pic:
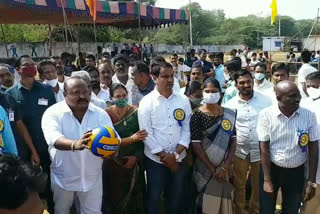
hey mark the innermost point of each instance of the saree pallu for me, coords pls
(215, 197)
(124, 189)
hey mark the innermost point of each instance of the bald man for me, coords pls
(6, 77)
(288, 136)
(76, 172)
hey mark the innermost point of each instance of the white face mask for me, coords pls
(211, 98)
(259, 76)
(314, 93)
(52, 83)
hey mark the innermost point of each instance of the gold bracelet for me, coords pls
(72, 145)
(224, 169)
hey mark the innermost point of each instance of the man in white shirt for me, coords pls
(312, 103)
(176, 71)
(158, 60)
(231, 67)
(60, 69)
(75, 171)
(195, 75)
(261, 84)
(288, 136)
(248, 103)
(106, 73)
(99, 92)
(305, 70)
(165, 115)
(280, 72)
(47, 70)
(254, 59)
(121, 66)
(183, 68)
(93, 99)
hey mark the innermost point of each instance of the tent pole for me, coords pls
(5, 40)
(315, 36)
(270, 49)
(95, 39)
(190, 20)
(50, 40)
(65, 26)
(139, 17)
(78, 38)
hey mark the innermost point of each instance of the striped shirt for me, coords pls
(313, 105)
(246, 124)
(283, 134)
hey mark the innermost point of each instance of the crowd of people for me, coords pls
(198, 135)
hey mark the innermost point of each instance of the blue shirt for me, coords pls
(206, 66)
(220, 76)
(138, 94)
(7, 142)
(33, 104)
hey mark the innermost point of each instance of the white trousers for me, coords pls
(89, 202)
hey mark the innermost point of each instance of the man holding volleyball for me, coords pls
(75, 171)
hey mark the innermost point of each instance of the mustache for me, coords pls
(83, 100)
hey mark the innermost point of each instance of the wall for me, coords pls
(309, 43)
(42, 49)
(267, 41)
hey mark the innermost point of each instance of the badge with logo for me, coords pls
(1, 126)
(226, 126)
(1, 142)
(179, 115)
(303, 141)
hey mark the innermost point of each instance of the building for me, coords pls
(273, 43)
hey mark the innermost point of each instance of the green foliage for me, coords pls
(209, 27)
(25, 33)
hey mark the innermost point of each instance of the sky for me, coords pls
(297, 9)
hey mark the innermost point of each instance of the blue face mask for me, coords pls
(259, 76)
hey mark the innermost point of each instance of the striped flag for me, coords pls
(274, 11)
(92, 4)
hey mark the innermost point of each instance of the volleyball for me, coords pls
(104, 141)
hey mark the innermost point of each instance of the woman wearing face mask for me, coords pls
(213, 142)
(194, 94)
(123, 177)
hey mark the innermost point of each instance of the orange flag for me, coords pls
(92, 4)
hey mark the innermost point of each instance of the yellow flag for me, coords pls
(274, 11)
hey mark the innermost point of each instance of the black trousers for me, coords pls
(291, 181)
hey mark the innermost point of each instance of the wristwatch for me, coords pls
(314, 185)
(177, 155)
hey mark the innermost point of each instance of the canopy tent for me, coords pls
(117, 14)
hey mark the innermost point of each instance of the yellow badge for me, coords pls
(1, 125)
(304, 139)
(179, 115)
(226, 125)
(1, 142)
